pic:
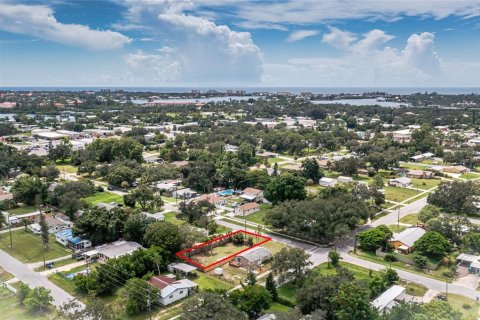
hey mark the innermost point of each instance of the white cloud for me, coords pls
(304, 12)
(39, 21)
(365, 62)
(166, 49)
(155, 67)
(338, 38)
(301, 34)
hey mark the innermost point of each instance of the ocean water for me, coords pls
(295, 90)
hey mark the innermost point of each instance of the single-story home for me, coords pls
(4, 195)
(405, 240)
(179, 164)
(171, 289)
(388, 299)
(421, 157)
(66, 238)
(212, 198)
(456, 169)
(253, 258)
(113, 250)
(402, 182)
(470, 261)
(109, 206)
(252, 194)
(420, 174)
(327, 182)
(247, 208)
(181, 268)
(185, 193)
(323, 163)
(343, 179)
(54, 224)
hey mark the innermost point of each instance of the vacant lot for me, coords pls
(257, 217)
(399, 194)
(425, 184)
(22, 210)
(27, 247)
(105, 197)
(208, 257)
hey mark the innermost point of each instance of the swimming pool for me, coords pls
(227, 192)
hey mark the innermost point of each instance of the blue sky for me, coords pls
(240, 43)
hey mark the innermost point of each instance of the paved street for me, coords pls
(34, 279)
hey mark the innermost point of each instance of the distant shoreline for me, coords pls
(294, 90)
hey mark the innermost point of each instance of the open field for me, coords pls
(103, 197)
(172, 218)
(27, 247)
(206, 258)
(399, 194)
(395, 228)
(67, 168)
(425, 184)
(410, 219)
(257, 217)
(470, 176)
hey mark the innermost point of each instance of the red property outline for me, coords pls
(181, 256)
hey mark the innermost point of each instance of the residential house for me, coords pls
(252, 194)
(109, 206)
(171, 289)
(179, 164)
(470, 261)
(421, 157)
(185, 193)
(54, 224)
(420, 174)
(113, 250)
(247, 208)
(343, 179)
(405, 240)
(253, 258)
(388, 299)
(456, 169)
(402, 182)
(323, 163)
(181, 268)
(66, 238)
(327, 182)
(213, 199)
(4, 195)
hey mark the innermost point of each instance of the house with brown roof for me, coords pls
(212, 198)
(171, 289)
(420, 174)
(247, 208)
(252, 194)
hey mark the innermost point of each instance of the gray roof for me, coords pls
(255, 254)
(183, 267)
(386, 298)
(409, 236)
(402, 180)
(118, 248)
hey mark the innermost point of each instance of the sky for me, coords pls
(239, 43)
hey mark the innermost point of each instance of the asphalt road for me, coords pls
(33, 279)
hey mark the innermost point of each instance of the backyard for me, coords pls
(22, 210)
(216, 254)
(27, 247)
(257, 217)
(425, 184)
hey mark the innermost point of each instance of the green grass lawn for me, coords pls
(470, 176)
(11, 309)
(414, 289)
(410, 219)
(168, 199)
(22, 210)
(395, 228)
(459, 303)
(425, 184)
(103, 197)
(413, 166)
(399, 194)
(172, 218)
(420, 196)
(277, 307)
(205, 258)
(27, 247)
(288, 292)
(67, 168)
(5, 275)
(434, 274)
(257, 217)
(208, 282)
(275, 160)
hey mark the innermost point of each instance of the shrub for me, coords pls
(419, 259)
(466, 306)
(390, 258)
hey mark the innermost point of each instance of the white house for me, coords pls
(343, 179)
(386, 300)
(171, 289)
(327, 182)
(247, 208)
(113, 250)
(66, 238)
(402, 182)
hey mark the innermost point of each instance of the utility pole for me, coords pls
(398, 218)
(446, 290)
(10, 230)
(149, 304)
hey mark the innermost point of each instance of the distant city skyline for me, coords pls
(212, 43)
